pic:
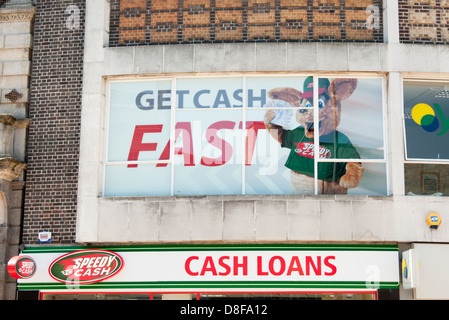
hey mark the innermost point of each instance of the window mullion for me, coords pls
(316, 136)
(172, 135)
(244, 110)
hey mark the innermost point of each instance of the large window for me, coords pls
(246, 134)
(426, 109)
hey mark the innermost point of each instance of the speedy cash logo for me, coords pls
(26, 267)
(430, 118)
(86, 266)
(307, 149)
(21, 267)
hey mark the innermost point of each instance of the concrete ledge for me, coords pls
(273, 218)
(276, 57)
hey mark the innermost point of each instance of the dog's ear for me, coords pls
(342, 89)
(290, 95)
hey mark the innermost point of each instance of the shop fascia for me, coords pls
(207, 266)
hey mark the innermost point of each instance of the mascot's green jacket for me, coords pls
(334, 145)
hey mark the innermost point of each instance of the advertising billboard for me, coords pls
(245, 135)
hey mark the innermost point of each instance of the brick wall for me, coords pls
(55, 105)
(136, 22)
(424, 21)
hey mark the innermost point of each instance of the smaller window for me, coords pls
(426, 179)
(426, 124)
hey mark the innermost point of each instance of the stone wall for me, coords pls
(252, 219)
(16, 42)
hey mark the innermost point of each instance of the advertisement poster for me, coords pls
(245, 135)
(426, 112)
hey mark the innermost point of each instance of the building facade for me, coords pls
(182, 134)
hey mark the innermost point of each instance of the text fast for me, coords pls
(185, 129)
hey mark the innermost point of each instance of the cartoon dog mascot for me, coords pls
(333, 177)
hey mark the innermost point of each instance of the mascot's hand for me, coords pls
(353, 175)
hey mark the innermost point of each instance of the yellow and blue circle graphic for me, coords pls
(404, 268)
(424, 115)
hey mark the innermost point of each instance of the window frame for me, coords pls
(419, 79)
(244, 108)
(409, 78)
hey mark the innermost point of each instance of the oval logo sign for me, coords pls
(21, 267)
(85, 266)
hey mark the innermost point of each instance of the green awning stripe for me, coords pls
(260, 247)
(201, 285)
